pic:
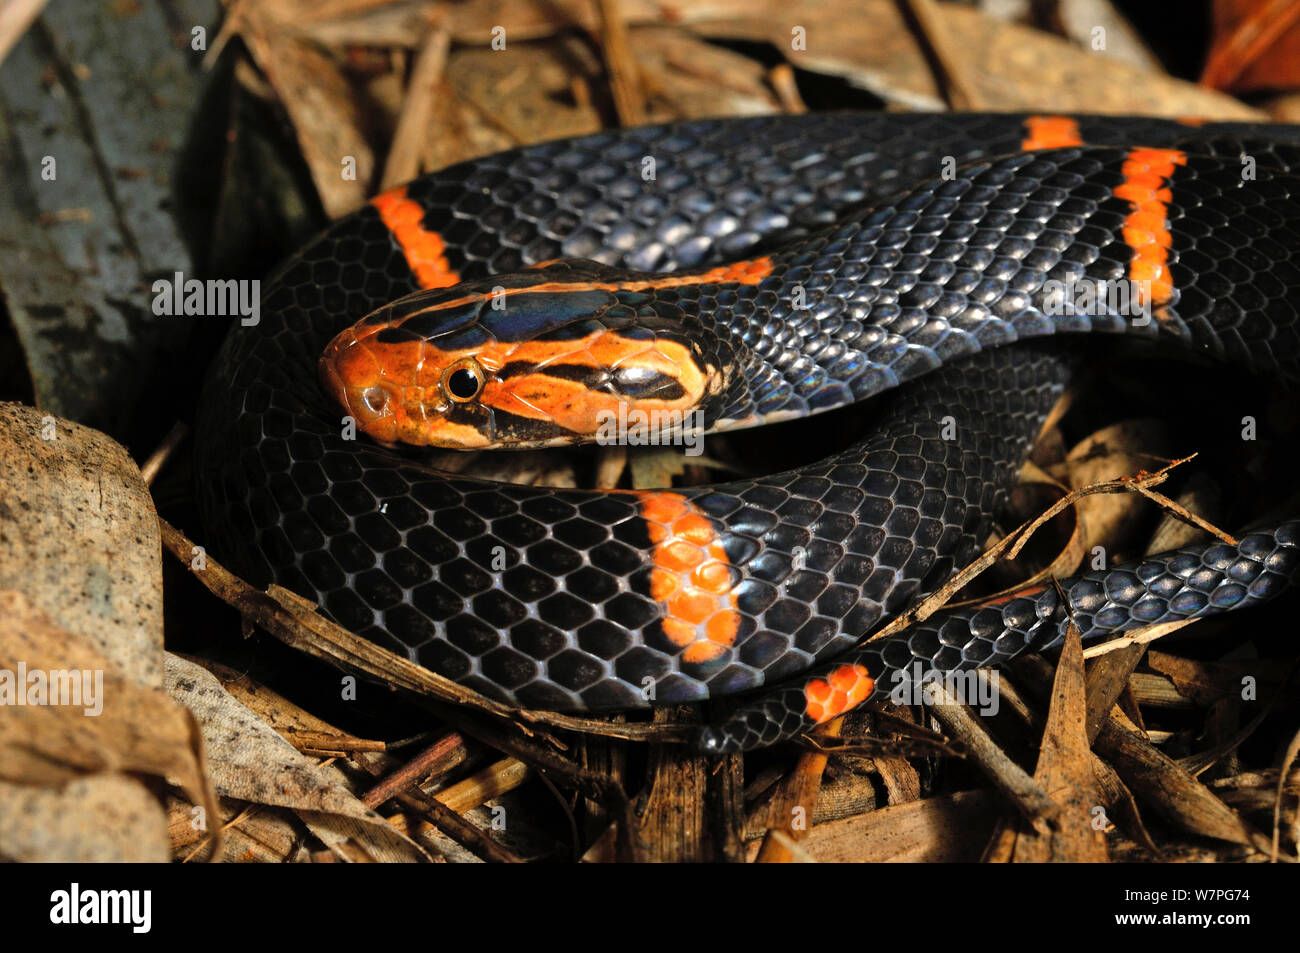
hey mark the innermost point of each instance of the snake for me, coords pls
(719, 275)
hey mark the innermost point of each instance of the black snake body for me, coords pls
(864, 251)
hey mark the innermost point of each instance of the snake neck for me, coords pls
(957, 266)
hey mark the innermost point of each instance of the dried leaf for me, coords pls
(1255, 45)
(103, 725)
(950, 828)
(1065, 770)
(80, 537)
(1121, 450)
(249, 761)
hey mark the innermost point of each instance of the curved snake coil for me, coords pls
(772, 268)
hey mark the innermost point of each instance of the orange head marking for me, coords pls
(532, 359)
(396, 394)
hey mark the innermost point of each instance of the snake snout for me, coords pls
(352, 376)
(401, 393)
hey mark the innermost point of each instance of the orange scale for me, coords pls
(721, 629)
(698, 652)
(690, 578)
(695, 528)
(844, 677)
(424, 250)
(1050, 132)
(691, 606)
(1139, 193)
(713, 576)
(663, 585)
(679, 556)
(662, 509)
(818, 690)
(678, 632)
(853, 685)
(845, 688)
(1143, 243)
(1153, 222)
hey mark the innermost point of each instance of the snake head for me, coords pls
(527, 360)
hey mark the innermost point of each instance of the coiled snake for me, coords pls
(746, 271)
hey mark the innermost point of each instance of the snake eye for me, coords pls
(463, 381)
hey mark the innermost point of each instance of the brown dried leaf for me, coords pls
(1056, 551)
(1108, 678)
(324, 112)
(673, 818)
(524, 94)
(865, 42)
(105, 818)
(687, 78)
(1206, 682)
(1065, 770)
(1203, 497)
(1011, 67)
(1255, 45)
(124, 728)
(1124, 449)
(1080, 19)
(1158, 781)
(949, 828)
(250, 762)
(80, 537)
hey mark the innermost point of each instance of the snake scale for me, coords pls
(745, 271)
